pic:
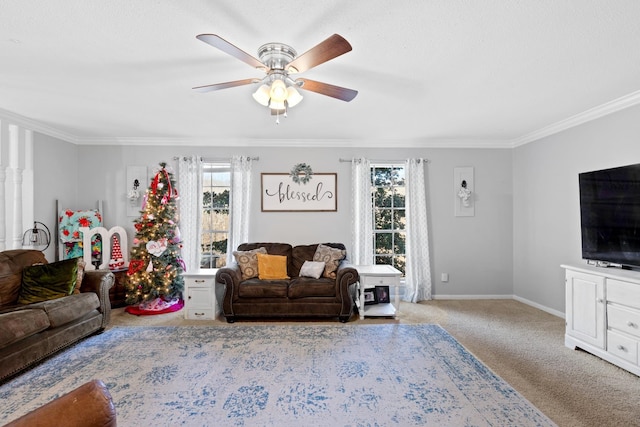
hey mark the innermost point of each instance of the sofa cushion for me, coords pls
(248, 262)
(256, 288)
(312, 269)
(331, 257)
(48, 281)
(11, 264)
(272, 267)
(303, 287)
(64, 310)
(20, 324)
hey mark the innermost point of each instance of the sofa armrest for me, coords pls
(346, 277)
(229, 277)
(89, 405)
(100, 281)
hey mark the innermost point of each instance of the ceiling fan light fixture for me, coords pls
(293, 97)
(262, 95)
(277, 105)
(278, 91)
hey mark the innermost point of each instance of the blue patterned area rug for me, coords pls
(280, 375)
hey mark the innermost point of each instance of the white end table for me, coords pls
(200, 294)
(378, 275)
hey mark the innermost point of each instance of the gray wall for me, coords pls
(55, 165)
(546, 199)
(475, 251)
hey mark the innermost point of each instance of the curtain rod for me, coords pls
(383, 161)
(204, 159)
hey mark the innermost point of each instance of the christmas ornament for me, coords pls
(157, 248)
(135, 266)
(150, 267)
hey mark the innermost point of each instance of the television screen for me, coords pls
(610, 215)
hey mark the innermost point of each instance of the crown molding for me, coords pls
(37, 126)
(618, 104)
(610, 107)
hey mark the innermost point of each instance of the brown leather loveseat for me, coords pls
(29, 332)
(330, 295)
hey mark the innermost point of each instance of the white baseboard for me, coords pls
(539, 306)
(514, 297)
(473, 297)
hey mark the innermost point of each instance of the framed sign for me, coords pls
(281, 194)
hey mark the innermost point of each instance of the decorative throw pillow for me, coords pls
(248, 262)
(331, 257)
(48, 281)
(272, 267)
(312, 269)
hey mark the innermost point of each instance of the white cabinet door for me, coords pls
(585, 307)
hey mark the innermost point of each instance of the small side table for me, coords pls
(200, 295)
(118, 292)
(378, 275)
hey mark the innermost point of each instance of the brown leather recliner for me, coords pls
(89, 405)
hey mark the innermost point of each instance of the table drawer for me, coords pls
(622, 346)
(200, 314)
(624, 320)
(624, 293)
(194, 282)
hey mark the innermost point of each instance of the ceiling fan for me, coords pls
(280, 61)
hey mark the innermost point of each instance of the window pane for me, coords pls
(382, 176)
(383, 260)
(399, 219)
(384, 243)
(382, 219)
(398, 197)
(383, 197)
(398, 175)
(399, 243)
(206, 220)
(220, 197)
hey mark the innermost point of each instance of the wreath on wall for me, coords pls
(301, 173)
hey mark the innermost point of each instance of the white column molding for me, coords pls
(3, 203)
(28, 182)
(15, 189)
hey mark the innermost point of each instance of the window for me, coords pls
(389, 220)
(216, 185)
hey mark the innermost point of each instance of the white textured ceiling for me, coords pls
(441, 72)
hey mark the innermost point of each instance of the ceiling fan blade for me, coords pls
(331, 48)
(218, 86)
(337, 92)
(220, 43)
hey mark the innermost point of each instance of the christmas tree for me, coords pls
(154, 277)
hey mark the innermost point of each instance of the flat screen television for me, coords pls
(610, 215)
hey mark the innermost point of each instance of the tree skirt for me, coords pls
(157, 306)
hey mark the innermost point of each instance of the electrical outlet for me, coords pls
(444, 277)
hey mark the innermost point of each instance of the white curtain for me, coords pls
(418, 268)
(240, 203)
(190, 205)
(362, 217)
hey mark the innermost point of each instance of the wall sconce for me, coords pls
(464, 193)
(37, 238)
(134, 194)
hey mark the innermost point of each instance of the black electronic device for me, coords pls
(610, 216)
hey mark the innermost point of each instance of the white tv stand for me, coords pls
(603, 313)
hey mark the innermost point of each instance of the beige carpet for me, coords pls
(523, 345)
